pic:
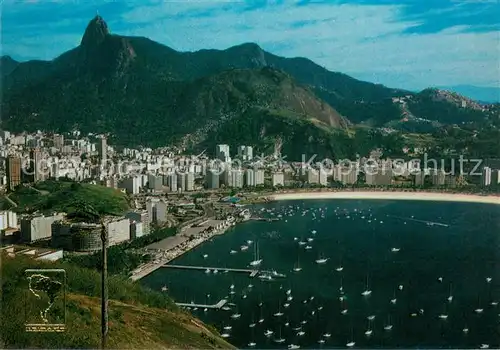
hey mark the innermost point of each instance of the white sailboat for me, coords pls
(343, 308)
(279, 340)
(297, 268)
(252, 342)
(450, 297)
(444, 315)
(321, 260)
(394, 299)
(340, 267)
(279, 313)
(261, 318)
(352, 342)
(388, 326)
(479, 310)
(268, 333)
(369, 331)
(253, 324)
(257, 261)
(236, 315)
(367, 290)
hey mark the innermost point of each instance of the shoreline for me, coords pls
(392, 195)
(175, 252)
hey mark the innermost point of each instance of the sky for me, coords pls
(411, 44)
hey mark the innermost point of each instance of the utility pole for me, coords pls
(104, 285)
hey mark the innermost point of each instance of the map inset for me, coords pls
(45, 300)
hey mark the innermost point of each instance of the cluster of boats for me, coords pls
(297, 332)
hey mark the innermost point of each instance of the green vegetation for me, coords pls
(139, 317)
(66, 196)
(261, 128)
(122, 258)
(202, 94)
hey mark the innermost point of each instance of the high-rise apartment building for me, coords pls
(245, 152)
(495, 177)
(185, 181)
(58, 141)
(438, 177)
(323, 177)
(212, 179)
(278, 179)
(236, 178)
(13, 168)
(189, 181)
(155, 183)
(348, 175)
(249, 177)
(222, 153)
(38, 168)
(259, 177)
(486, 176)
(311, 176)
(157, 211)
(420, 178)
(102, 149)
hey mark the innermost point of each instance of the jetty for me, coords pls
(429, 223)
(264, 219)
(219, 305)
(251, 272)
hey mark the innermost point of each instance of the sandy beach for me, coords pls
(422, 196)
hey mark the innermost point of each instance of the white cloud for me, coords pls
(364, 41)
(360, 40)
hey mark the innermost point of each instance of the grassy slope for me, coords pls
(59, 195)
(138, 317)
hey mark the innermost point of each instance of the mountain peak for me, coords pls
(96, 32)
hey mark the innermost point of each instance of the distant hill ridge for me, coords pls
(146, 93)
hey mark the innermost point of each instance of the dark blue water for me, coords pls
(357, 235)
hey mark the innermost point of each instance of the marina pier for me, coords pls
(217, 306)
(251, 272)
